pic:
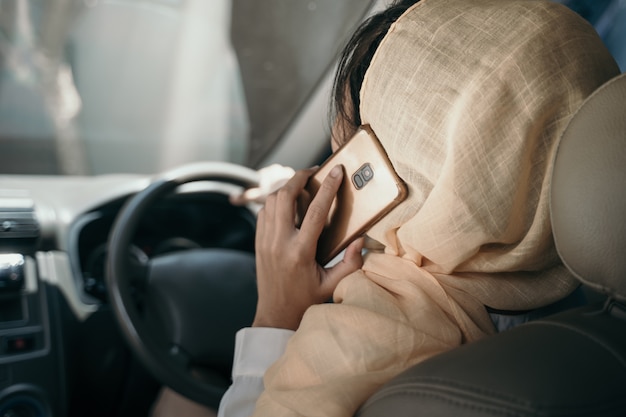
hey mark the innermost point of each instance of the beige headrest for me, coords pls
(588, 203)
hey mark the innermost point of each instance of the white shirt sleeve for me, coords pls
(256, 349)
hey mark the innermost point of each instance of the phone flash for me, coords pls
(362, 176)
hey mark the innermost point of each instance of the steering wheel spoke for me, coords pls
(138, 273)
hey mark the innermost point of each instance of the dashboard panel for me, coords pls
(61, 349)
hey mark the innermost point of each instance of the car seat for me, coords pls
(569, 364)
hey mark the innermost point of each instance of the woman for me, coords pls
(468, 98)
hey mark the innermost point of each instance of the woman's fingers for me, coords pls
(352, 261)
(278, 211)
(302, 203)
(317, 212)
(287, 195)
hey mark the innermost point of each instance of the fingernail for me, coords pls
(336, 171)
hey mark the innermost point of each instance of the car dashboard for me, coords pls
(61, 351)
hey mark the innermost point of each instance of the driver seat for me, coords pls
(569, 364)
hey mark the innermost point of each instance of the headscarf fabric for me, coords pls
(469, 99)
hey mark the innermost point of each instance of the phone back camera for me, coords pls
(362, 176)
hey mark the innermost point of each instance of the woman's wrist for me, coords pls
(277, 320)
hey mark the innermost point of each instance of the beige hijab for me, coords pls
(469, 98)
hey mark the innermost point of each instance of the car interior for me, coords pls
(62, 350)
(114, 261)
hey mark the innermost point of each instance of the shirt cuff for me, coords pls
(257, 348)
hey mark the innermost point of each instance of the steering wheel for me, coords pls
(179, 311)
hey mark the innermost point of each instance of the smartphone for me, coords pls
(370, 189)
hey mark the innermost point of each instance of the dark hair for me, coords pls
(356, 58)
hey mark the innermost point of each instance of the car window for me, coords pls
(609, 19)
(105, 86)
(284, 46)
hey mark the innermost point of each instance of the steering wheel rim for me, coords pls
(166, 366)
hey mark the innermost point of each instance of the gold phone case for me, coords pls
(370, 189)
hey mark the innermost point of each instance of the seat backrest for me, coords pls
(588, 205)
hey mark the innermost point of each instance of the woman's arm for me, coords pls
(289, 281)
(255, 350)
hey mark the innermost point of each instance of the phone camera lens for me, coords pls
(358, 181)
(367, 173)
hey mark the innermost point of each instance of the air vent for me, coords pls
(18, 224)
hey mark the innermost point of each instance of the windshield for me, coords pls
(140, 86)
(105, 86)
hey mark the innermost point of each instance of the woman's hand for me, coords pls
(289, 278)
